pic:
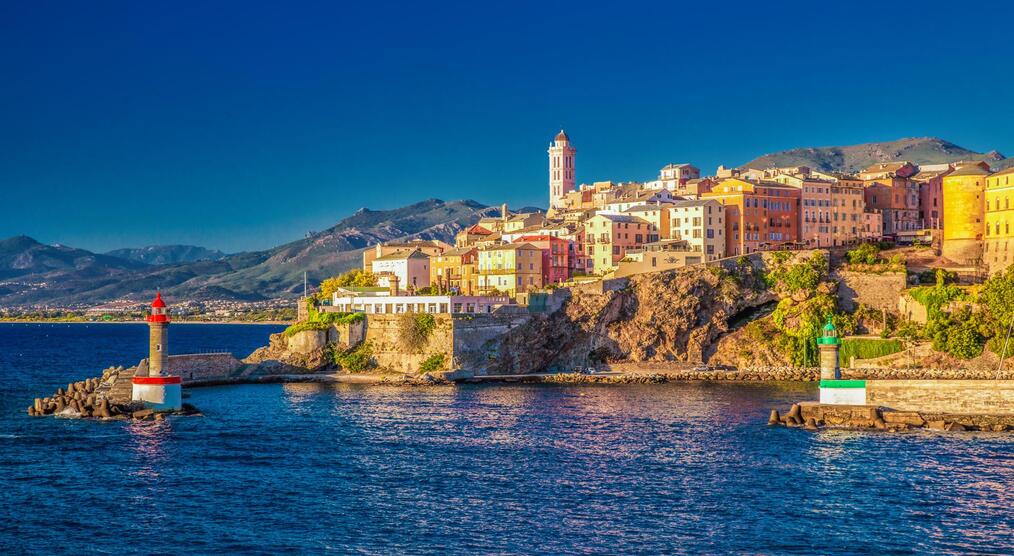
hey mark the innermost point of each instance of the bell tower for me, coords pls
(561, 169)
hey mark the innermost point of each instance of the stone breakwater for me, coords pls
(102, 397)
(814, 416)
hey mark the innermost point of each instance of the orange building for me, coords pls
(964, 197)
(608, 236)
(758, 215)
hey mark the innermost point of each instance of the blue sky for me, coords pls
(243, 125)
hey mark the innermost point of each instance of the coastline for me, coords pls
(226, 322)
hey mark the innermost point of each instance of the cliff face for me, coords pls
(668, 316)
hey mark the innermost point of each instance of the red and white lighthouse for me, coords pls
(158, 390)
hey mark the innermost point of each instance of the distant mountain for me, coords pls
(852, 159)
(250, 276)
(167, 254)
(23, 256)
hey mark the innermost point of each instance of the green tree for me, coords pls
(997, 301)
(356, 278)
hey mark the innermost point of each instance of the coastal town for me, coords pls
(606, 229)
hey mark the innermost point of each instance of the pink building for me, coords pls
(556, 257)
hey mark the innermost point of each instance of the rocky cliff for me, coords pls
(672, 316)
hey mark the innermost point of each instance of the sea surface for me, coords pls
(532, 469)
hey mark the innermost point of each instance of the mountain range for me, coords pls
(852, 159)
(33, 274)
(167, 254)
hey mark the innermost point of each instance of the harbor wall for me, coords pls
(986, 397)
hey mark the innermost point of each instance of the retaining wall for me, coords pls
(879, 291)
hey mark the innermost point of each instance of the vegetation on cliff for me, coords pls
(414, 330)
(357, 359)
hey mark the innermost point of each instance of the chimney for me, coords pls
(393, 282)
(503, 212)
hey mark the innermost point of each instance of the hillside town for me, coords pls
(609, 229)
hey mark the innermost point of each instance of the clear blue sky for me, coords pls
(241, 126)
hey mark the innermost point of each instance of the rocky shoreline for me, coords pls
(94, 398)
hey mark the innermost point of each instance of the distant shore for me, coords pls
(25, 321)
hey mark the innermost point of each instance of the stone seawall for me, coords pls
(985, 397)
(196, 368)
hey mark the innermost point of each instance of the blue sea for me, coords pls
(477, 469)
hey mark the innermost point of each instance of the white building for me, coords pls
(410, 266)
(382, 304)
(672, 176)
(701, 223)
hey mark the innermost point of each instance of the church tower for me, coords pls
(561, 169)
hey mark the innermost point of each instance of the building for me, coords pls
(455, 270)
(644, 197)
(896, 198)
(657, 216)
(471, 235)
(608, 236)
(511, 268)
(556, 254)
(428, 247)
(873, 226)
(964, 192)
(701, 224)
(381, 303)
(666, 254)
(931, 194)
(832, 210)
(758, 215)
(523, 220)
(901, 169)
(561, 170)
(674, 176)
(409, 267)
(998, 251)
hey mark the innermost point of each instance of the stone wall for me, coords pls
(879, 291)
(988, 397)
(203, 366)
(383, 332)
(474, 336)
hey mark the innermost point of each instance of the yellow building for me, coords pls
(455, 270)
(963, 191)
(998, 253)
(512, 268)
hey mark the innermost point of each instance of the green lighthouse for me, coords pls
(828, 345)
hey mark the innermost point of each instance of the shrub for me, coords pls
(867, 348)
(958, 334)
(432, 363)
(866, 253)
(801, 324)
(415, 330)
(802, 276)
(356, 360)
(303, 327)
(356, 278)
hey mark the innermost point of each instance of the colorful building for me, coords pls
(998, 251)
(455, 270)
(656, 215)
(901, 169)
(896, 198)
(511, 268)
(556, 254)
(701, 224)
(429, 247)
(608, 236)
(964, 192)
(758, 215)
(931, 194)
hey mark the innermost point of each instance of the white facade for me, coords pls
(396, 304)
(412, 269)
(701, 223)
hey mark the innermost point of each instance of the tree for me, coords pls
(352, 279)
(997, 301)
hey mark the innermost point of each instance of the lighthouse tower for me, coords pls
(561, 169)
(158, 390)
